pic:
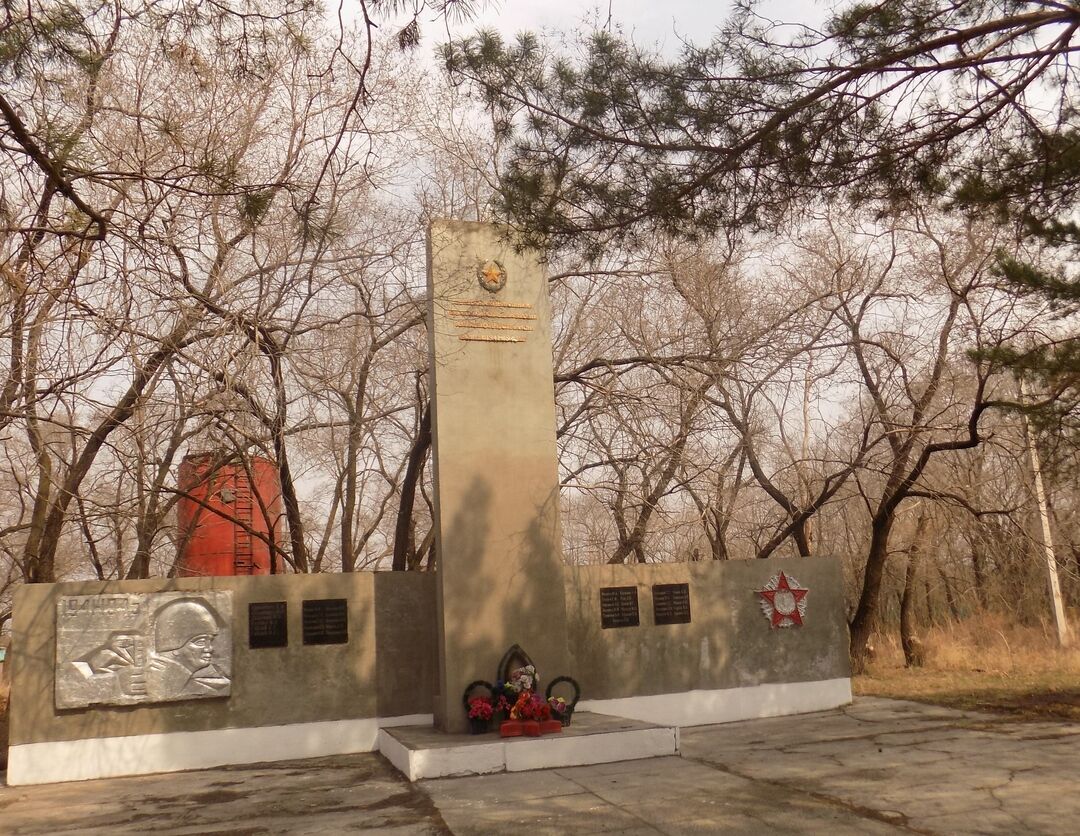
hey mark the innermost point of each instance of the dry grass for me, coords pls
(983, 664)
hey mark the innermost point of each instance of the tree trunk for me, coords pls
(144, 538)
(718, 541)
(913, 647)
(979, 568)
(43, 563)
(349, 502)
(292, 505)
(866, 611)
(409, 485)
(931, 613)
(1076, 586)
(950, 595)
(39, 570)
(802, 538)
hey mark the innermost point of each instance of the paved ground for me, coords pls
(879, 766)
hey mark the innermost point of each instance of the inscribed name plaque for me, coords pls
(618, 607)
(326, 621)
(132, 648)
(671, 603)
(268, 624)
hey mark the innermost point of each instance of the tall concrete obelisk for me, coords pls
(500, 575)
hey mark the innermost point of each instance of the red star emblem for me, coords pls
(783, 602)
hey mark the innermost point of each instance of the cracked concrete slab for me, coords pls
(342, 794)
(876, 767)
(665, 795)
(943, 771)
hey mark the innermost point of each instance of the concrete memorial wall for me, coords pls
(697, 643)
(128, 677)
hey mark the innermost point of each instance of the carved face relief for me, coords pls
(131, 648)
(197, 652)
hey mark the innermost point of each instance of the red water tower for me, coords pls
(228, 505)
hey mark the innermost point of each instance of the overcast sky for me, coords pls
(649, 21)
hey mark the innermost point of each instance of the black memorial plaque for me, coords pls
(326, 621)
(618, 606)
(268, 624)
(671, 603)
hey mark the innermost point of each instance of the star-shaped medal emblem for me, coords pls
(783, 600)
(492, 276)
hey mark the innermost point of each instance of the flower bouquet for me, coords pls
(480, 714)
(561, 709)
(479, 708)
(524, 709)
(532, 711)
(517, 701)
(524, 679)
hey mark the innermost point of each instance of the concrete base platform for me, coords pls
(422, 752)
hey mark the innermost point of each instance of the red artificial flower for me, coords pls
(520, 708)
(480, 708)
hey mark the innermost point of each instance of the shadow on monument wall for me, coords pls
(728, 643)
(646, 659)
(516, 597)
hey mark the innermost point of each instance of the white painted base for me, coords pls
(703, 708)
(414, 764)
(523, 753)
(406, 720)
(110, 757)
(545, 753)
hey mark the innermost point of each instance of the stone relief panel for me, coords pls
(133, 648)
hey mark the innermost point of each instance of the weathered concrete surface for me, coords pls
(495, 465)
(406, 663)
(877, 767)
(344, 794)
(728, 643)
(257, 697)
(931, 769)
(665, 795)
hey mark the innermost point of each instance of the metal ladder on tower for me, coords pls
(243, 508)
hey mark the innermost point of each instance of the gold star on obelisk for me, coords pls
(492, 276)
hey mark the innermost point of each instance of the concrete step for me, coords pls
(421, 752)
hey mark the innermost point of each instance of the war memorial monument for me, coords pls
(133, 677)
